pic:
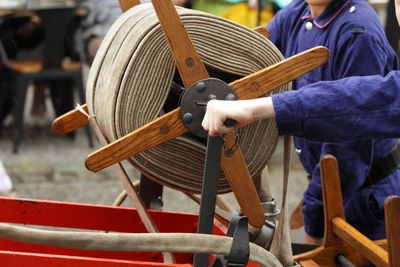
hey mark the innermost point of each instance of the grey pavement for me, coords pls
(52, 167)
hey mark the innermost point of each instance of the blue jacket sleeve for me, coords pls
(357, 107)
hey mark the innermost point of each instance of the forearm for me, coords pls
(262, 108)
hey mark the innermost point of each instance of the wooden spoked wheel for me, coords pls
(169, 126)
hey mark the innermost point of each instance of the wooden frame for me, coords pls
(342, 238)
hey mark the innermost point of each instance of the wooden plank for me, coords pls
(360, 243)
(150, 135)
(187, 60)
(266, 80)
(392, 217)
(238, 176)
(70, 121)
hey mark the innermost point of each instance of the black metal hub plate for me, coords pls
(194, 101)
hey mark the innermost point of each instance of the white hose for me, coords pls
(157, 242)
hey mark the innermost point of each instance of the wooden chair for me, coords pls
(342, 242)
(51, 67)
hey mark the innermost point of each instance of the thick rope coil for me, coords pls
(130, 80)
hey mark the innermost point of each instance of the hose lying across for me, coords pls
(157, 242)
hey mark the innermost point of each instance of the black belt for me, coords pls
(383, 167)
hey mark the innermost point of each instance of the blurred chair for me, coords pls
(51, 67)
(392, 28)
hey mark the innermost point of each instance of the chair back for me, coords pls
(3, 54)
(55, 22)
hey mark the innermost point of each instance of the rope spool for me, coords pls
(130, 80)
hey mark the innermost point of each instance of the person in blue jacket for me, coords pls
(352, 32)
(358, 107)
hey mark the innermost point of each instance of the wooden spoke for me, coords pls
(238, 176)
(264, 81)
(70, 121)
(150, 135)
(127, 4)
(262, 30)
(187, 60)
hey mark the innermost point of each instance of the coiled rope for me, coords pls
(131, 77)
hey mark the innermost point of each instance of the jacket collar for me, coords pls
(329, 14)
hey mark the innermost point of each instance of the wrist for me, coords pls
(263, 108)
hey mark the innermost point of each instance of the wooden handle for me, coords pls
(264, 81)
(70, 121)
(187, 60)
(150, 135)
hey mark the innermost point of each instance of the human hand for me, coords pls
(242, 111)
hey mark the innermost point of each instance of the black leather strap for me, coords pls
(384, 166)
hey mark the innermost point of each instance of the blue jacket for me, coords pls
(352, 32)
